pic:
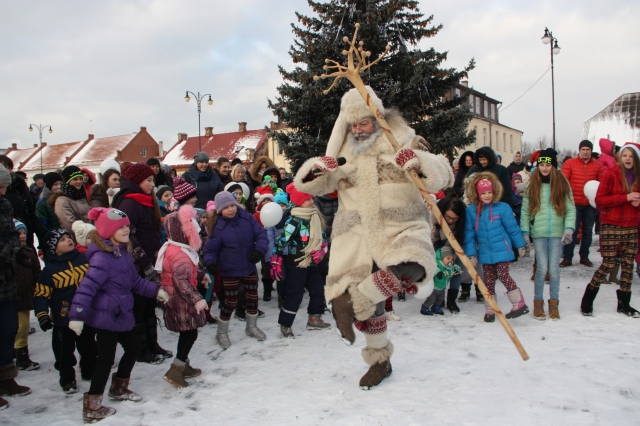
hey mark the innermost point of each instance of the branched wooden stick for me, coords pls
(352, 73)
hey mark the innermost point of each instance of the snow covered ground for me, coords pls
(450, 370)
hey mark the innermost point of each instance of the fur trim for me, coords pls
(363, 307)
(472, 194)
(391, 173)
(373, 356)
(186, 214)
(345, 220)
(53, 197)
(8, 372)
(256, 167)
(321, 185)
(337, 285)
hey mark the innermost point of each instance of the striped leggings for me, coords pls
(610, 237)
(230, 290)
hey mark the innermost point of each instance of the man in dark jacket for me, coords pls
(517, 164)
(485, 161)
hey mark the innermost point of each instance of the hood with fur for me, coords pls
(181, 227)
(487, 152)
(471, 192)
(256, 167)
(462, 167)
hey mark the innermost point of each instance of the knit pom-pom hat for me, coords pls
(297, 197)
(137, 173)
(19, 225)
(183, 190)
(82, 230)
(211, 206)
(108, 221)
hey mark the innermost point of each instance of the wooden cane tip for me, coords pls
(326, 61)
(325, 67)
(357, 25)
(368, 53)
(316, 77)
(345, 52)
(325, 91)
(361, 42)
(387, 48)
(345, 38)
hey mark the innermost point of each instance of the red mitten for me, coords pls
(326, 164)
(408, 160)
(409, 286)
(276, 267)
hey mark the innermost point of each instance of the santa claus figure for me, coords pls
(381, 233)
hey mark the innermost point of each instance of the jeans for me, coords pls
(547, 254)
(8, 330)
(587, 216)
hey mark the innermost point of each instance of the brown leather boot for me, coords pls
(190, 372)
(175, 374)
(342, 311)
(538, 310)
(93, 410)
(554, 314)
(120, 390)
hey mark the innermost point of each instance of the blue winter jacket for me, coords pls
(495, 237)
(231, 243)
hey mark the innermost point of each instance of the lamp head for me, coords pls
(556, 48)
(30, 128)
(186, 97)
(50, 129)
(210, 101)
(546, 38)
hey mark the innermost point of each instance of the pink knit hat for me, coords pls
(483, 186)
(108, 221)
(211, 206)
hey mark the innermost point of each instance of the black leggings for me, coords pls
(107, 342)
(185, 343)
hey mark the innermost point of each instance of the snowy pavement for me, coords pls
(448, 370)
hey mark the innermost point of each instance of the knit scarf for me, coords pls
(316, 224)
(73, 193)
(186, 249)
(143, 199)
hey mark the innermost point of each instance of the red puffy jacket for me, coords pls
(578, 173)
(612, 202)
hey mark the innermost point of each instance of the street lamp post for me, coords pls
(40, 128)
(199, 101)
(549, 39)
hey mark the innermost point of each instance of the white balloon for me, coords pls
(425, 290)
(109, 164)
(590, 191)
(245, 190)
(270, 214)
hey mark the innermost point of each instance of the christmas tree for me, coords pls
(407, 78)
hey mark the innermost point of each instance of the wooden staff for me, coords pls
(352, 73)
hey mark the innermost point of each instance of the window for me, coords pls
(504, 142)
(493, 111)
(144, 152)
(486, 108)
(484, 136)
(471, 102)
(477, 105)
(497, 142)
(458, 92)
(475, 129)
(511, 143)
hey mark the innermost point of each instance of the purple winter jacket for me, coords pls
(104, 298)
(231, 243)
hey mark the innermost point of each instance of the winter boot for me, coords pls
(286, 332)
(402, 296)
(590, 293)
(222, 336)
(315, 322)
(437, 310)
(535, 267)
(465, 292)
(452, 294)
(93, 410)
(23, 362)
(152, 339)
(240, 314)
(268, 288)
(252, 329)
(145, 355)
(554, 314)
(190, 372)
(426, 311)
(391, 316)
(479, 295)
(489, 315)
(624, 298)
(175, 374)
(210, 319)
(342, 311)
(379, 366)
(3, 404)
(519, 307)
(8, 385)
(613, 275)
(538, 310)
(119, 390)
(70, 388)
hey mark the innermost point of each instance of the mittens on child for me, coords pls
(45, 322)
(162, 296)
(567, 237)
(76, 326)
(200, 305)
(276, 267)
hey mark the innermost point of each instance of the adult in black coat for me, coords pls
(161, 178)
(485, 161)
(464, 165)
(517, 164)
(202, 176)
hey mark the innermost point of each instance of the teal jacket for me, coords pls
(442, 278)
(546, 223)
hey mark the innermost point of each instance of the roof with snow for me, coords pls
(619, 121)
(53, 156)
(229, 145)
(20, 156)
(98, 149)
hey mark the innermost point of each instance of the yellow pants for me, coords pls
(22, 338)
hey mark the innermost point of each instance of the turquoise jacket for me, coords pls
(442, 278)
(546, 223)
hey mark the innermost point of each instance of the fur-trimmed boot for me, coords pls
(175, 375)
(586, 306)
(93, 410)
(465, 292)
(8, 385)
(489, 315)
(119, 390)
(624, 298)
(538, 310)
(342, 311)
(252, 329)
(190, 372)
(23, 362)
(222, 335)
(519, 307)
(377, 353)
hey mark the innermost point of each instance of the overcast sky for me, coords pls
(126, 64)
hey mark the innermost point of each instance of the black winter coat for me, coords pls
(498, 170)
(9, 244)
(26, 281)
(458, 185)
(162, 179)
(207, 184)
(328, 206)
(145, 230)
(23, 208)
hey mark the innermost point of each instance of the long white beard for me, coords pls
(360, 147)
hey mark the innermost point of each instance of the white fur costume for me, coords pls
(381, 216)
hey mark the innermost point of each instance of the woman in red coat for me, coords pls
(618, 199)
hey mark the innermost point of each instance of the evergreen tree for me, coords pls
(408, 78)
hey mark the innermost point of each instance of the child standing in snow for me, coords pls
(548, 218)
(104, 302)
(303, 236)
(273, 233)
(490, 232)
(445, 258)
(184, 313)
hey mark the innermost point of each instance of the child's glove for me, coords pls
(76, 326)
(213, 269)
(276, 267)
(152, 275)
(409, 286)
(567, 237)
(521, 251)
(318, 255)
(473, 261)
(45, 322)
(255, 256)
(162, 296)
(408, 160)
(201, 305)
(527, 239)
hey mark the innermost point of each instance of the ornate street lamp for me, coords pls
(549, 39)
(40, 129)
(199, 101)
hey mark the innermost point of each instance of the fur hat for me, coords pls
(51, 240)
(108, 221)
(5, 176)
(586, 144)
(19, 225)
(201, 157)
(162, 189)
(262, 193)
(82, 230)
(51, 178)
(71, 172)
(223, 200)
(183, 190)
(297, 197)
(182, 227)
(483, 186)
(138, 172)
(551, 154)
